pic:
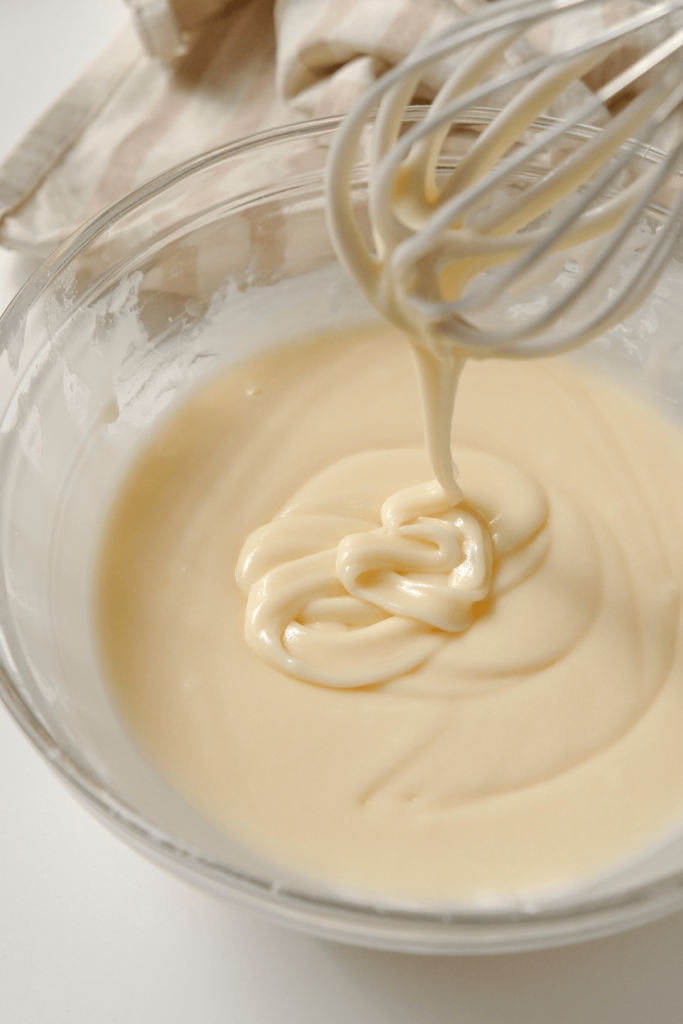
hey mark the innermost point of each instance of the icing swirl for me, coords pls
(346, 589)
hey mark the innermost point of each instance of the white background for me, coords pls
(90, 933)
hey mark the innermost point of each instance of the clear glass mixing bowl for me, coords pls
(199, 269)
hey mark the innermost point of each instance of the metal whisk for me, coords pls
(538, 207)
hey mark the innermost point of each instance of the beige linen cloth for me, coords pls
(189, 75)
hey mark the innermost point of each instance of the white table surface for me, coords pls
(90, 933)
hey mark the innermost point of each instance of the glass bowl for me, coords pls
(182, 278)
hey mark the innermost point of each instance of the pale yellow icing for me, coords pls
(453, 695)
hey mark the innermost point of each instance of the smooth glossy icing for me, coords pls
(469, 696)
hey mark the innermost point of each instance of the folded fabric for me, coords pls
(145, 116)
(200, 73)
(167, 27)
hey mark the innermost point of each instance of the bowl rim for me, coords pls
(345, 919)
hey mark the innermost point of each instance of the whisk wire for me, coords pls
(431, 236)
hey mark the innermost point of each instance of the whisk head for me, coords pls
(558, 219)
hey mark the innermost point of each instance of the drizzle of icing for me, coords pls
(351, 600)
